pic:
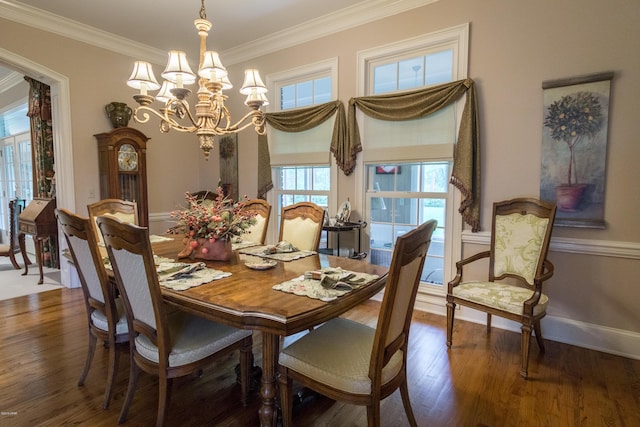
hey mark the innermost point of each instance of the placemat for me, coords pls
(279, 256)
(242, 245)
(310, 287)
(182, 276)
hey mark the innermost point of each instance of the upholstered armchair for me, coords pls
(518, 267)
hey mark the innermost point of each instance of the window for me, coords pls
(399, 198)
(302, 172)
(407, 164)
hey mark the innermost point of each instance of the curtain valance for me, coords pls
(418, 103)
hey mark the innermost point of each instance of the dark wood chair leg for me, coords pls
(286, 398)
(538, 332)
(134, 371)
(87, 364)
(451, 308)
(406, 401)
(526, 338)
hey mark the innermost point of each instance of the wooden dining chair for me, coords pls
(105, 313)
(301, 225)
(10, 248)
(166, 343)
(258, 231)
(354, 363)
(122, 209)
(520, 237)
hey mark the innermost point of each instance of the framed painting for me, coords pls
(574, 148)
(229, 165)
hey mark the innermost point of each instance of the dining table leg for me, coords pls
(268, 411)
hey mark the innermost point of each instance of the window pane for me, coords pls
(321, 179)
(407, 178)
(406, 211)
(287, 97)
(304, 96)
(385, 78)
(433, 209)
(322, 90)
(439, 67)
(435, 177)
(410, 73)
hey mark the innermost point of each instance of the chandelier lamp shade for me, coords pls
(211, 117)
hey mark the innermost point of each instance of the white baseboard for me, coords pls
(581, 334)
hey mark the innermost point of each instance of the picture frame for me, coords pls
(388, 170)
(574, 148)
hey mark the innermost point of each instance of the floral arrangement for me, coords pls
(218, 219)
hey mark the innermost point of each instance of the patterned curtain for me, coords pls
(39, 112)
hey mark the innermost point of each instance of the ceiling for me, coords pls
(242, 29)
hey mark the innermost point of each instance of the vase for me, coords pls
(218, 250)
(569, 196)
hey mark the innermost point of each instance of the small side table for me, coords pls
(346, 226)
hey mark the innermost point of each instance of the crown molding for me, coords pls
(353, 16)
(343, 19)
(37, 18)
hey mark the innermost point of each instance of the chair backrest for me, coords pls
(83, 246)
(131, 257)
(258, 231)
(301, 225)
(394, 321)
(124, 210)
(520, 236)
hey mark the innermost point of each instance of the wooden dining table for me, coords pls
(247, 300)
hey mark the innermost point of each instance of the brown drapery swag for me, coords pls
(39, 113)
(410, 105)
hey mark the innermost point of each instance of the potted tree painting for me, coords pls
(574, 120)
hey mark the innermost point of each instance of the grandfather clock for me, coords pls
(122, 155)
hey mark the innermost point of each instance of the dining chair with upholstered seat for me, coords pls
(518, 267)
(258, 231)
(354, 363)
(105, 313)
(166, 343)
(124, 210)
(10, 248)
(301, 225)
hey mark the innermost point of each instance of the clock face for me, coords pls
(127, 158)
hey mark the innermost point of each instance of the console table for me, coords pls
(346, 226)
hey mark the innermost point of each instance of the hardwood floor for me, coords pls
(476, 383)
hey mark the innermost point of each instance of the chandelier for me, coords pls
(211, 115)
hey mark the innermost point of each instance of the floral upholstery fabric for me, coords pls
(518, 244)
(500, 295)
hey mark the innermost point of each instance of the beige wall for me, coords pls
(97, 77)
(514, 47)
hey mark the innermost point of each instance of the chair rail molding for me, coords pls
(607, 248)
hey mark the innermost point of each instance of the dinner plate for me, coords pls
(344, 212)
(262, 264)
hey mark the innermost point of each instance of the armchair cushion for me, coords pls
(500, 295)
(338, 354)
(518, 242)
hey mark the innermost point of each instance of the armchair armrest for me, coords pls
(456, 280)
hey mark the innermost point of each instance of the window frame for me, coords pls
(275, 81)
(456, 37)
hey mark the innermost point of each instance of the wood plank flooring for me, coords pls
(476, 383)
